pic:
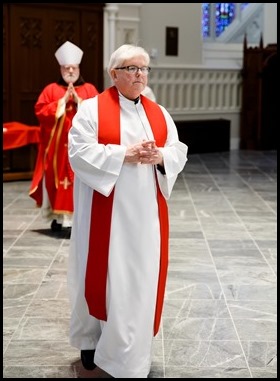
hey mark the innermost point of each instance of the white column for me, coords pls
(110, 30)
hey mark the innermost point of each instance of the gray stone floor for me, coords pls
(219, 317)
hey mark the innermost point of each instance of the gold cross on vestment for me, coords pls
(65, 183)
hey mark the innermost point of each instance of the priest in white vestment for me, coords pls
(126, 156)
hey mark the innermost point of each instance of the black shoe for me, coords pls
(68, 233)
(55, 226)
(87, 357)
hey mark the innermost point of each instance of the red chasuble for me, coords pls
(97, 263)
(52, 160)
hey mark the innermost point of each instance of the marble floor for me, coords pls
(219, 318)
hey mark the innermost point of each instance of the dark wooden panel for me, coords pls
(34, 35)
(6, 68)
(202, 136)
(259, 111)
(31, 34)
(19, 163)
(34, 32)
(92, 45)
(270, 104)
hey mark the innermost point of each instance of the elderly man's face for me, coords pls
(70, 73)
(132, 77)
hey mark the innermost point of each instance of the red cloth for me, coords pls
(97, 263)
(17, 135)
(52, 160)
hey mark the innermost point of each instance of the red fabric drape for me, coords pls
(17, 135)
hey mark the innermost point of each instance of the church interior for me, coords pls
(220, 311)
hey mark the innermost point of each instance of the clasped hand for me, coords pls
(145, 152)
(71, 93)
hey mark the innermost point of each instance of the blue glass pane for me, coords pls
(205, 20)
(224, 14)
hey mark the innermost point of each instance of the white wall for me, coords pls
(145, 25)
(270, 24)
(154, 18)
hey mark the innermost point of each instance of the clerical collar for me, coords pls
(136, 100)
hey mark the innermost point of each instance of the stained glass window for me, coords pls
(206, 16)
(216, 17)
(224, 15)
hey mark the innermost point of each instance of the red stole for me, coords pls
(97, 263)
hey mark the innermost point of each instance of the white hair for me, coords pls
(126, 52)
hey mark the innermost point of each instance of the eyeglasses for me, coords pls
(134, 69)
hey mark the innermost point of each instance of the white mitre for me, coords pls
(69, 54)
